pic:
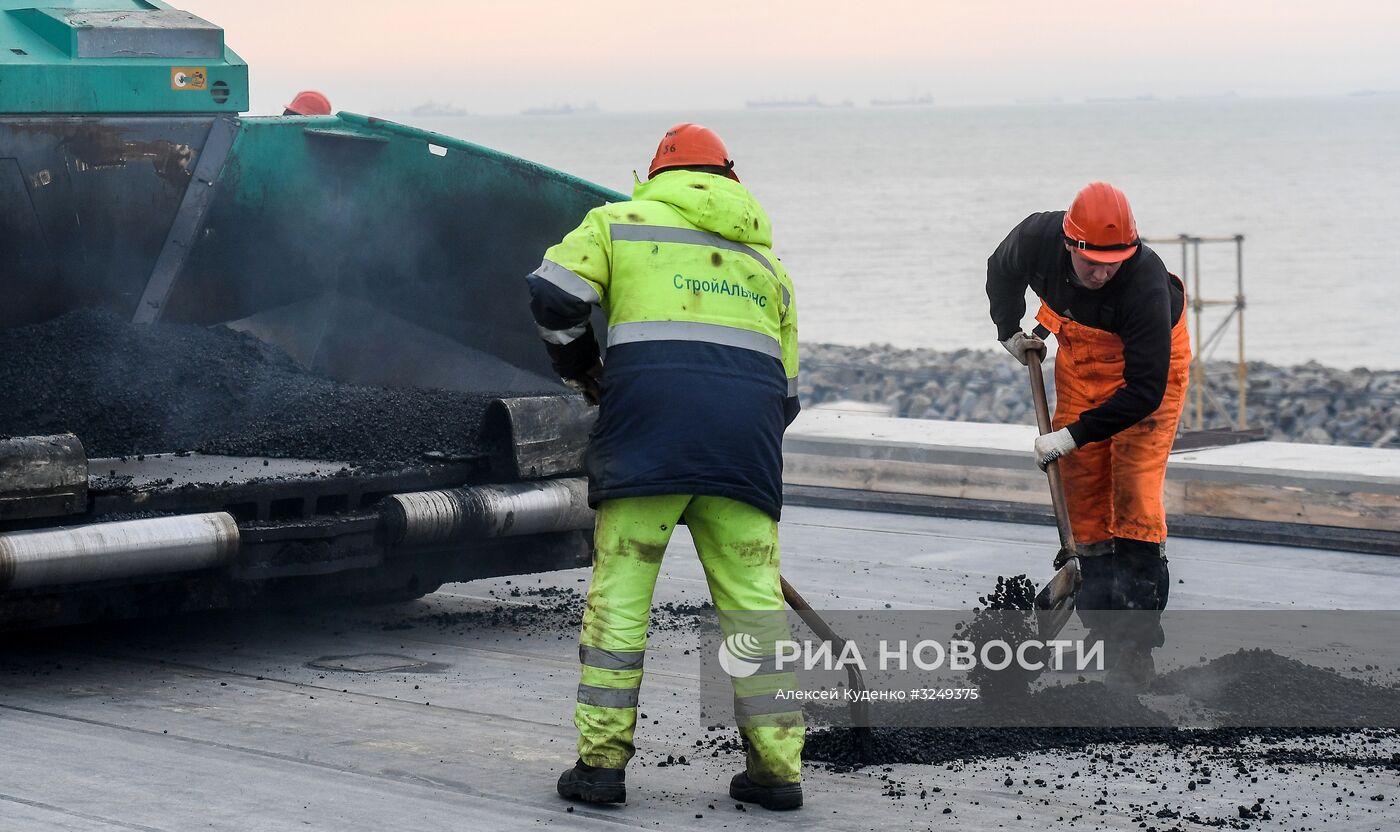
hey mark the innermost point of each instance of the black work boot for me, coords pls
(1131, 668)
(591, 784)
(775, 798)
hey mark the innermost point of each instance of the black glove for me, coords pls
(588, 383)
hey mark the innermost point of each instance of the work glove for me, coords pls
(588, 385)
(1052, 446)
(1021, 343)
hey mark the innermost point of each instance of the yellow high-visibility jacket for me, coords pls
(701, 372)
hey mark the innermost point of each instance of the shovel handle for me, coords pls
(860, 707)
(1052, 471)
(808, 615)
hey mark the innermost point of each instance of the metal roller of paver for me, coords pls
(370, 253)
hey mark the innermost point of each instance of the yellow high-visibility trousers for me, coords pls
(738, 548)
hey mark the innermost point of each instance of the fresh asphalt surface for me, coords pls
(222, 722)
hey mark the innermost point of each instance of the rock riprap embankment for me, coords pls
(1305, 403)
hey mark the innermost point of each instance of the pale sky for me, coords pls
(500, 56)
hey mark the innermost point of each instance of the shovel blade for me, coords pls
(1054, 604)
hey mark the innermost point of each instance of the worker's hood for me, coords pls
(714, 203)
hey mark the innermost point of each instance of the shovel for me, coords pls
(860, 706)
(1055, 603)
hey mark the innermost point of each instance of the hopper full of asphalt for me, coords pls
(128, 389)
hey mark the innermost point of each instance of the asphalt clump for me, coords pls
(548, 608)
(1004, 615)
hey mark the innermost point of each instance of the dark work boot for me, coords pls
(1143, 579)
(1096, 594)
(1131, 668)
(590, 784)
(775, 798)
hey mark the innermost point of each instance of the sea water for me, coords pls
(885, 216)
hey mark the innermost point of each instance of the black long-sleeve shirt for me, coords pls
(1140, 305)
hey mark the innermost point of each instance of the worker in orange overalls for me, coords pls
(1120, 378)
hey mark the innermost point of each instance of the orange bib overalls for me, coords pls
(1114, 487)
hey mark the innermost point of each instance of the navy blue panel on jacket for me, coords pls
(686, 417)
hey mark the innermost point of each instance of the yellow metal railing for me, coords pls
(1203, 345)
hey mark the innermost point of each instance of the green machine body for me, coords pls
(115, 56)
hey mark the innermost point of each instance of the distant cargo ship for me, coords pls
(1124, 99)
(911, 101)
(432, 109)
(808, 103)
(560, 110)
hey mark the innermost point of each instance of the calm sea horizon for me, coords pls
(885, 216)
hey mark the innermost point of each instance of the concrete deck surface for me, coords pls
(221, 722)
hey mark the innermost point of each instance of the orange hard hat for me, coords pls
(690, 144)
(310, 103)
(1100, 225)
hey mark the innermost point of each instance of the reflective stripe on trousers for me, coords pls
(630, 538)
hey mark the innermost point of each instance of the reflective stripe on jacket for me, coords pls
(701, 375)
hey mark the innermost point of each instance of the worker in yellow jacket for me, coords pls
(700, 383)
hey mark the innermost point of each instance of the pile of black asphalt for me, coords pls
(1254, 696)
(126, 389)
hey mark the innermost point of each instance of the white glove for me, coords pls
(1021, 343)
(1052, 446)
